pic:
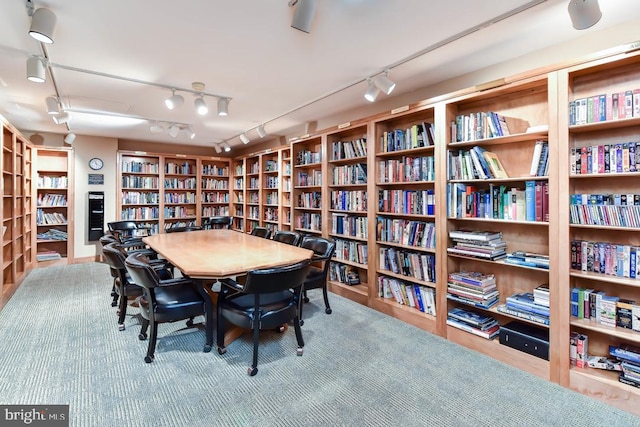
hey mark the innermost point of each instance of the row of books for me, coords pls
(141, 182)
(605, 258)
(472, 288)
(540, 159)
(605, 158)
(478, 244)
(605, 107)
(610, 310)
(215, 184)
(185, 168)
(271, 182)
(350, 174)
(349, 149)
(353, 200)
(422, 298)
(350, 250)
(349, 225)
(309, 179)
(480, 324)
(129, 166)
(151, 212)
(414, 202)
(475, 163)
(480, 125)
(215, 211)
(407, 169)
(47, 256)
(310, 199)
(53, 234)
(215, 170)
(528, 303)
(417, 136)
(49, 199)
(140, 198)
(50, 218)
(308, 157)
(308, 221)
(270, 165)
(57, 181)
(528, 259)
(344, 274)
(181, 183)
(187, 197)
(620, 210)
(499, 202)
(419, 266)
(406, 232)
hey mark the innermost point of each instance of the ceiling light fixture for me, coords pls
(383, 83)
(372, 91)
(173, 130)
(61, 119)
(35, 69)
(174, 101)
(190, 133)
(584, 13)
(52, 105)
(156, 128)
(217, 148)
(261, 132)
(43, 25)
(244, 138)
(201, 106)
(226, 147)
(223, 106)
(70, 138)
(302, 17)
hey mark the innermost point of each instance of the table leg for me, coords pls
(209, 314)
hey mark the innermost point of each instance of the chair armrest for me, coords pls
(230, 283)
(177, 281)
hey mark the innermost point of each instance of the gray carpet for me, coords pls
(60, 345)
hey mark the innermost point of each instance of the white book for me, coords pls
(535, 160)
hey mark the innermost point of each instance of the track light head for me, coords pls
(190, 133)
(156, 128)
(305, 11)
(261, 132)
(223, 106)
(35, 70)
(372, 92)
(173, 130)
(244, 138)
(201, 106)
(52, 105)
(584, 13)
(226, 147)
(70, 138)
(43, 25)
(61, 119)
(173, 101)
(217, 148)
(383, 83)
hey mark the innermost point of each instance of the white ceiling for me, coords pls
(247, 51)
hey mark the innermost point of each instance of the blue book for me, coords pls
(530, 200)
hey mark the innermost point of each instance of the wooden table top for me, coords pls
(214, 254)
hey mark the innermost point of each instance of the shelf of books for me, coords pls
(347, 222)
(238, 194)
(253, 192)
(602, 163)
(270, 200)
(140, 189)
(214, 188)
(285, 188)
(405, 228)
(498, 208)
(307, 155)
(54, 204)
(180, 185)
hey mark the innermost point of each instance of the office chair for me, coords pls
(323, 250)
(288, 237)
(182, 229)
(217, 222)
(163, 299)
(104, 241)
(261, 232)
(125, 232)
(267, 299)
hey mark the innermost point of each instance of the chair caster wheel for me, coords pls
(299, 351)
(189, 323)
(301, 322)
(252, 371)
(305, 300)
(206, 349)
(142, 337)
(222, 350)
(148, 359)
(121, 327)
(114, 304)
(328, 311)
(281, 329)
(118, 312)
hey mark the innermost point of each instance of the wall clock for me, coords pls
(96, 164)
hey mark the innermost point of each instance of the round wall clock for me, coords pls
(96, 164)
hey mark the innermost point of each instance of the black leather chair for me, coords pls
(216, 222)
(288, 237)
(163, 299)
(126, 233)
(104, 241)
(182, 229)
(267, 299)
(261, 232)
(323, 250)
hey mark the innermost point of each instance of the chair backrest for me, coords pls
(123, 230)
(261, 232)
(322, 248)
(288, 237)
(115, 256)
(269, 280)
(182, 229)
(216, 222)
(141, 271)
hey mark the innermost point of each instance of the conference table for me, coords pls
(209, 255)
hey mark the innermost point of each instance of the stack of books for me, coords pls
(629, 357)
(478, 324)
(528, 259)
(472, 288)
(478, 244)
(524, 306)
(47, 256)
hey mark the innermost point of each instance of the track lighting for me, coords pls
(156, 128)
(584, 13)
(173, 130)
(43, 25)
(372, 91)
(244, 138)
(201, 106)
(305, 10)
(190, 133)
(52, 105)
(261, 132)
(174, 101)
(226, 147)
(61, 119)
(223, 106)
(70, 138)
(383, 83)
(35, 70)
(217, 148)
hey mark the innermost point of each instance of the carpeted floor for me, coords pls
(60, 345)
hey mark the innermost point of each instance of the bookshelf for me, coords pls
(348, 207)
(253, 192)
(308, 172)
(54, 204)
(180, 192)
(238, 194)
(285, 188)
(214, 194)
(496, 204)
(590, 134)
(139, 189)
(405, 229)
(270, 198)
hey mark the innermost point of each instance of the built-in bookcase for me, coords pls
(214, 189)
(307, 155)
(270, 199)
(253, 192)
(139, 189)
(285, 188)
(238, 194)
(180, 185)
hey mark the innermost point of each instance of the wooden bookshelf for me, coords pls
(214, 188)
(238, 196)
(308, 174)
(286, 185)
(139, 187)
(180, 188)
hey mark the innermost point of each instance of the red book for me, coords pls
(538, 200)
(545, 201)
